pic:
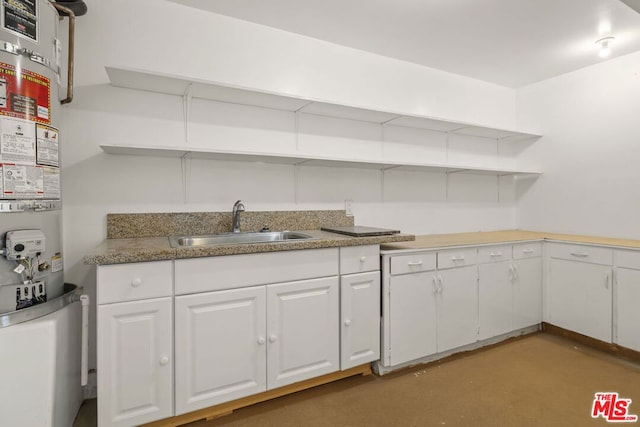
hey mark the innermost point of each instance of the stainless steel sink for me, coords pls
(234, 238)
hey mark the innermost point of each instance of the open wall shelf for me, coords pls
(305, 160)
(173, 85)
(191, 88)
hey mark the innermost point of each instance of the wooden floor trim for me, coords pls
(614, 349)
(228, 407)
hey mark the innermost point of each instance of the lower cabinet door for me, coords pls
(495, 299)
(302, 330)
(580, 298)
(220, 347)
(627, 312)
(135, 349)
(457, 307)
(412, 317)
(360, 319)
(527, 292)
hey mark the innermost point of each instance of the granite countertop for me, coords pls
(432, 241)
(141, 237)
(141, 249)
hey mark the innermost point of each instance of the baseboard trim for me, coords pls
(228, 407)
(613, 349)
(381, 369)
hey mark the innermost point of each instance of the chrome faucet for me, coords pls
(237, 208)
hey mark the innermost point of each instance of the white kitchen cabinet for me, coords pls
(510, 290)
(437, 301)
(359, 319)
(135, 360)
(627, 303)
(495, 293)
(580, 289)
(220, 351)
(429, 310)
(527, 292)
(412, 327)
(238, 342)
(244, 324)
(457, 307)
(627, 299)
(193, 275)
(302, 330)
(250, 333)
(359, 305)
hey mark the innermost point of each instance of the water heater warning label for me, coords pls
(22, 182)
(24, 94)
(21, 17)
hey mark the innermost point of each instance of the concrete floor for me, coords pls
(537, 380)
(88, 414)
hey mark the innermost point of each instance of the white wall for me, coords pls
(590, 151)
(165, 37)
(169, 38)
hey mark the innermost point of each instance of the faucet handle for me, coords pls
(265, 228)
(238, 206)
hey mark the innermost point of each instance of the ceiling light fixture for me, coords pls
(605, 49)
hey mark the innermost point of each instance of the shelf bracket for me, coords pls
(186, 111)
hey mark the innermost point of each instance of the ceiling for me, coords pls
(508, 42)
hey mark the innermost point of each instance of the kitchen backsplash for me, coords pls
(134, 225)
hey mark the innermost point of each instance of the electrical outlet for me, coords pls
(348, 207)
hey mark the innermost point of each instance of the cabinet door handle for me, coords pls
(273, 338)
(435, 284)
(580, 254)
(363, 258)
(606, 281)
(527, 251)
(261, 340)
(440, 284)
(457, 258)
(136, 282)
(495, 254)
(414, 263)
(512, 274)
(164, 360)
(347, 322)
(516, 272)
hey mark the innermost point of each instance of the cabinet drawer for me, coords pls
(130, 282)
(413, 263)
(359, 259)
(235, 271)
(457, 258)
(494, 253)
(527, 250)
(628, 259)
(591, 254)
